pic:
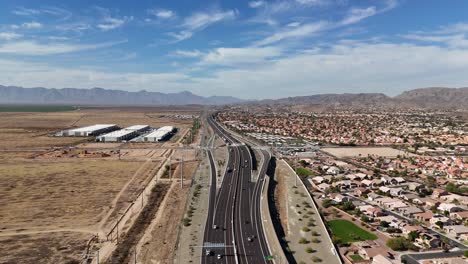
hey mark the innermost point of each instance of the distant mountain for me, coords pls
(433, 98)
(436, 97)
(100, 96)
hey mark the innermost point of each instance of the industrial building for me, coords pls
(159, 134)
(124, 134)
(87, 131)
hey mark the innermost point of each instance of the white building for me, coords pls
(124, 134)
(159, 134)
(87, 131)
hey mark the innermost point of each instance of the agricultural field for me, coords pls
(348, 232)
(36, 108)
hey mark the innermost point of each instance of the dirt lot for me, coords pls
(363, 152)
(43, 248)
(50, 195)
(51, 205)
(160, 241)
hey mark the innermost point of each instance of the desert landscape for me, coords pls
(66, 194)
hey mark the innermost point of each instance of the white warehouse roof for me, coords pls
(136, 127)
(91, 128)
(125, 131)
(160, 132)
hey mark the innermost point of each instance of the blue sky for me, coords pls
(248, 49)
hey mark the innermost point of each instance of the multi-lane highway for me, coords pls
(234, 230)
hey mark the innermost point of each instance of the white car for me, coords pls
(220, 256)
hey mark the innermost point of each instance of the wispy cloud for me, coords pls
(61, 13)
(240, 56)
(256, 4)
(34, 48)
(162, 13)
(9, 35)
(295, 32)
(109, 23)
(188, 53)
(357, 14)
(201, 20)
(31, 25)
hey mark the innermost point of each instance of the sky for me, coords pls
(248, 49)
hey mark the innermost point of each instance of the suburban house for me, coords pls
(427, 241)
(456, 230)
(448, 207)
(436, 193)
(338, 198)
(462, 215)
(410, 211)
(411, 228)
(371, 211)
(424, 217)
(323, 186)
(439, 218)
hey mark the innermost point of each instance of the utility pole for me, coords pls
(295, 170)
(169, 176)
(182, 172)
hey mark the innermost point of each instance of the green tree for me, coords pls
(399, 244)
(327, 203)
(413, 235)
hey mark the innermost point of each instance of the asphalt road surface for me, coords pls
(234, 228)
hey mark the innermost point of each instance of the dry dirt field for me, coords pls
(51, 206)
(363, 152)
(52, 195)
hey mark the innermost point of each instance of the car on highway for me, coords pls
(215, 227)
(208, 252)
(220, 256)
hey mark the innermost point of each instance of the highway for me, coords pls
(234, 228)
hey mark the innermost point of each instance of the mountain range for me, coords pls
(100, 96)
(433, 98)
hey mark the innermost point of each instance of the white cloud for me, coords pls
(357, 14)
(31, 25)
(357, 67)
(199, 21)
(9, 35)
(34, 48)
(53, 11)
(182, 35)
(312, 2)
(293, 24)
(188, 53)
(162, 13)
(256, 4)
(347, 67)
(297, 32)
(240, 56)
(109, 23)
(204, 19)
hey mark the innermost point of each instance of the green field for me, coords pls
(36, 108)
(356, 257)
(349, 232)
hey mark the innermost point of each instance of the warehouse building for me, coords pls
(124, 134)
(88, 131)
(159, 134)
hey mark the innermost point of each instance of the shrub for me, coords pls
(305, 229)
(316, 259)
(310, 250)
(303, 241)
(316, 240)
